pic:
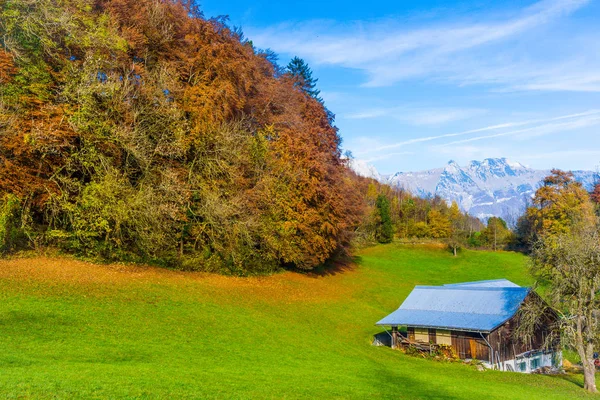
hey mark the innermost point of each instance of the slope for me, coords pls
(70, 329)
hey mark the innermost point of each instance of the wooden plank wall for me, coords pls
(470, 345)
(432, 338)
(507, 345)
(504, 341)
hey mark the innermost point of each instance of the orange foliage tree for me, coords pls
(139, 130)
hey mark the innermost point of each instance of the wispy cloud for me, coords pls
(419, 116)
(541, 126)
(563, 154)
(450, 52)
(388, 155)
(577, 121)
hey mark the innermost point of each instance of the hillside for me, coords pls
(143, 131)
(492, 187)
(70, 329)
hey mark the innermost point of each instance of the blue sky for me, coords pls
(415, 84)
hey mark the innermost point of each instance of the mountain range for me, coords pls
(492, 187)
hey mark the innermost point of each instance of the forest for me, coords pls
(142, 131)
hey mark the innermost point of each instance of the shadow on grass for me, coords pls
(409, 387)
(572, 378)
(338, 265)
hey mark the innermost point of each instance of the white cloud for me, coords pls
(583, 119)
(577, 121)
(563, 154)
(465, 52)
(388, 155)
(419, 116)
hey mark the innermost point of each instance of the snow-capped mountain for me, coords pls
(364, 169)
(492, 187)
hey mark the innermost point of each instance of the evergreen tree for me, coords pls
(385, 230)
(303, 79)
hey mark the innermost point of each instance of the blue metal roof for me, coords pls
(490, 283)
(473, 306)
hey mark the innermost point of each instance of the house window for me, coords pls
(535, 363)
(522, 366)
(443, 337)
(422, 335)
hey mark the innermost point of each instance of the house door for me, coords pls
(473, 346)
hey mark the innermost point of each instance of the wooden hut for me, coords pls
(477, 320)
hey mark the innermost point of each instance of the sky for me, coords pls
(414, 84)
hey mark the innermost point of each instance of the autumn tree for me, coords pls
(439, 225)
(161, 136)
(558, 205)
(496, 234)
(457, 228)
(595, 196)
(568, 264)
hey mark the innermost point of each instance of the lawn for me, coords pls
(70, 329)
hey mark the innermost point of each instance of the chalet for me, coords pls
(477, 319)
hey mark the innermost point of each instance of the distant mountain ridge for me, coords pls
(492, 187)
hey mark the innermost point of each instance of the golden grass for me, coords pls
(287, 286)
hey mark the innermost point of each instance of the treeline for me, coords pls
(394, 212)
(560, 207)
(139, 130)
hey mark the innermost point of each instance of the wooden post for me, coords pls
(394, 337)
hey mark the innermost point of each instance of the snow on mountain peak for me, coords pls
(364, 169)
(494, 186)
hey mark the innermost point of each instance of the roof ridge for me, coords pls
(481, 281)
(479, 288)
(455, 312)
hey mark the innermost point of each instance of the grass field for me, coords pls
(70, 329)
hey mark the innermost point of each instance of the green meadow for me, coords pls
(70, 329)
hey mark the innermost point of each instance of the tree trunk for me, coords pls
(589, 375)
(586, 353)
(454, 250)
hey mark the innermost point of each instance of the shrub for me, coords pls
(11, 231)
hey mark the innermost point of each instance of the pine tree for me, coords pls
(385, 230)
(303, 79)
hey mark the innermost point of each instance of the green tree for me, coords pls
(11, 232)
(303, 79)
(496, 234)
(384, 232)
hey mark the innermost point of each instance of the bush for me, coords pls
(419, 230)
(12, 235)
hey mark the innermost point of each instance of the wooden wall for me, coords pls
(503, 340)
(470, 345)
(508, 345)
